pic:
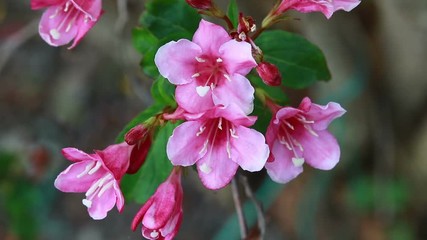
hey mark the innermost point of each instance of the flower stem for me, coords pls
(258, 207)
(239, 210)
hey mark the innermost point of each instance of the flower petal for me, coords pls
(322, 152)
(187, 97)
(176, 61)
(184, 147)
(210, 37)
(84, 26)
(56, 28)
(237, 90)
(237, 57)
(282, 169)
(76, 155)
(76, 177)
(216, 169)
(101, 205)
(37, 4)
(324, 115)
(162, 208)
(249, 149)
(116, 158)
(92, 8)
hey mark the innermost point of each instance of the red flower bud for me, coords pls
(200, 4)
(135, 134)
(138, 155)
(269, 73)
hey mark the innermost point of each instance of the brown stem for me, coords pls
(239, 210)
(228, 21)
(258, 207)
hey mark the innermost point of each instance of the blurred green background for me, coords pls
(52, 98)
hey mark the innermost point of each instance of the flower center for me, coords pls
(219, 133)
(286, 136)
(98, 188)
(210, 72)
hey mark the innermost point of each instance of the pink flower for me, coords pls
(98, 175)
(327, 7)
(218, 141)
(65, 20)
(209, 70)
(298, 135)
(161, 215)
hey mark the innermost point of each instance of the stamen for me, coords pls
(87, 203)
(284, 142)
(220, 123)
(201, 130)
(253, 28)
(219, 60)
(289, 125)
(227, 146)
(87, 169)
(242, 36)
(295, 142)
(55, 34)
(56, 13)
(204, 148)
(202, 90)
(200, 60)
(195, 75)
(205, 168)
(310, 130)
(105, 188)
(227, 77)
(67, 5)
(97, 166)
(154, 234)
(233, 133)
(298, 162)
(212, 86)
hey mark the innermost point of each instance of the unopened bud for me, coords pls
(269, 73)
(136, 134)
(200, 4)
(138, 155)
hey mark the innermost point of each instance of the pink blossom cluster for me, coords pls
(215, 100)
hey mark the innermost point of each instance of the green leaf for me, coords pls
(233, 12)
(300, 62)
(156, 168)
(163, 92)
(162, 21)
(167, 18)
(140, 118)
(143, 40)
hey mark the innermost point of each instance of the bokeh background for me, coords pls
(52, 98)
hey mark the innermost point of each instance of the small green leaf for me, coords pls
(142, 117)
(143, 40)
(156, 168)
(163, 92)
(233, 12)
(300, 62)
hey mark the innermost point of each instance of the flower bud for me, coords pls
(269, 73)
(200, 4)
(138, 155)
(135, 134)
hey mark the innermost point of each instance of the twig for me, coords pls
(258, 206)
(123, 15)
(16, 40)
(239, 210)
